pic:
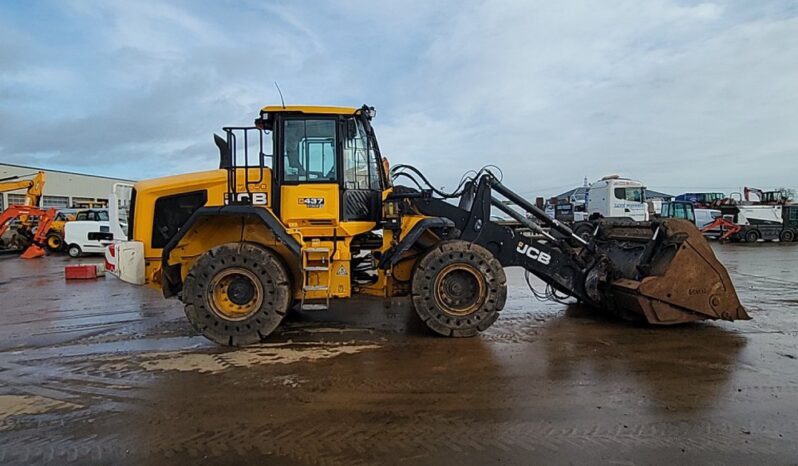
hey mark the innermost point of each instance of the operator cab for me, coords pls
(325, 164)
(678, 209)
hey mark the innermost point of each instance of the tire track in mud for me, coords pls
(92, 379)
(514, 328)
(420, 434)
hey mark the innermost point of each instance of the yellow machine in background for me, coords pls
(33, 187)
(304, 210)
(33, 193)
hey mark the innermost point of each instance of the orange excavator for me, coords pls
(25, 213)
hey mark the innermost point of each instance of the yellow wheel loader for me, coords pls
(304, 210)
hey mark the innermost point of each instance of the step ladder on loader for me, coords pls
(316, 273)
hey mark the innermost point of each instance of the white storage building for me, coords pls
(62, 189)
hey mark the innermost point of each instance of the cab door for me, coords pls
(309, 171)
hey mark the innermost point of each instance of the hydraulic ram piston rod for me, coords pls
(533, 209)
(521, 219)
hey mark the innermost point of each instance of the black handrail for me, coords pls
(234, 134)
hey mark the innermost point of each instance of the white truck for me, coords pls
(613, 196)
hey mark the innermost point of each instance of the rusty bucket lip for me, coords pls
(688, 284)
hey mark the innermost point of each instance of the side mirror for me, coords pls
(225, 156)
(263, 123)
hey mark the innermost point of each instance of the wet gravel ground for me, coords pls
(103, 372)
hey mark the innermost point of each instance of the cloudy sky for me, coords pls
(682, 95)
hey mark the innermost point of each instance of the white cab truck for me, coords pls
(613, 196)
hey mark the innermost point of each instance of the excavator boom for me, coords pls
(46, 218)
(34, 187)
(33, 191)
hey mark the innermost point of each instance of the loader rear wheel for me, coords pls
(459, 288)
(787, 236)
(752, 236)
(237, 293)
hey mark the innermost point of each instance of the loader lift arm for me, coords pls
(662, 271)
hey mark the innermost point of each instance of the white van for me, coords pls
(87, 237)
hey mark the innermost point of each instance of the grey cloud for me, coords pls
(671, 92)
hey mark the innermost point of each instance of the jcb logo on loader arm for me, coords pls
(533, 253)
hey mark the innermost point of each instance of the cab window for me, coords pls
(360, 162)
(93, 215)
(361, 167)
(309, 151)
(681, 210)
(356, 157)
(630, 194)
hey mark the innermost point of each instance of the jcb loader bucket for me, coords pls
(678, 280)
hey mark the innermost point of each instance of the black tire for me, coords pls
(54, 242)
(585, 231)
(74, 251)
(233, 279)
(787, 236)
(459, 288)
(751, 236)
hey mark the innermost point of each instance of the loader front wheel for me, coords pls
(237, 294)
(459, 288)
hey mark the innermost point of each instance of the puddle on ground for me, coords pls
(286, 353)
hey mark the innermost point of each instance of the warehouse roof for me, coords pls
(63, 171)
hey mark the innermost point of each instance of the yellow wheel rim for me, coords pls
(235, 293)
(54, 242)
(460, 289)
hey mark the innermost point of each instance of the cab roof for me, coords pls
(314, 109)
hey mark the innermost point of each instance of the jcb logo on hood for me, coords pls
(533, 253)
